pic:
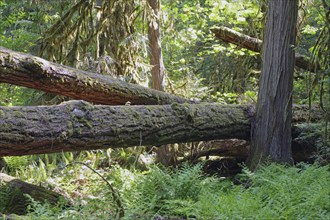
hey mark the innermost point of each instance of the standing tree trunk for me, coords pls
(156, 57)
(166, 153)
(271, 138)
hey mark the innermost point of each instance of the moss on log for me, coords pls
(79, 125)
(34, 72)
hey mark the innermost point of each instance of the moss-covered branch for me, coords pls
(231, 36)
(34, 72)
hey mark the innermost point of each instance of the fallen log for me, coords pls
(13, 191)
(231, 36)
(34, 72)
(304, 137)
(225, 148)
(78, 125)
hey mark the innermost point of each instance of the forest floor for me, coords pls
(154, 192)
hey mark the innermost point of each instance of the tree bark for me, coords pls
(165, 153)
(271, 136)
(34, 72)
(156, 57)
(78, 125)
(231, 36)
(15, 200)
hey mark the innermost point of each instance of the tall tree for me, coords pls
(165, 153)
(271, 138)
(156, 58)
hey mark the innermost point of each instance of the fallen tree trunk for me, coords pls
(304, 137)
(33, 72)
(13, 191)
(231, 36)
(78, 125)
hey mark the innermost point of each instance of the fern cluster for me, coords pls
(15, 163)
(165, 192)
(273, 192)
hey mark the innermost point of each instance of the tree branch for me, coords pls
(231, 36)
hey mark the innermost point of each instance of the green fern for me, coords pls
(165, 192)
(15, 163)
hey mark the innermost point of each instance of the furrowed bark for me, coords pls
(271, 138)
(78, 125)
(231, 36)
(34, 72)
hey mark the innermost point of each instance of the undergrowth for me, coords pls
(273, 192)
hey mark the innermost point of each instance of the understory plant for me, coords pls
(272, 192)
